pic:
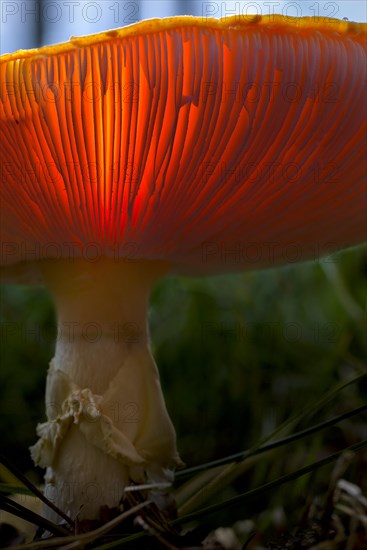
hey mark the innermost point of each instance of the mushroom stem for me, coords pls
(107, 422)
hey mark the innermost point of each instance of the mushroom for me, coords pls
(182, 145)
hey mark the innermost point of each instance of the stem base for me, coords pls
(107, 423)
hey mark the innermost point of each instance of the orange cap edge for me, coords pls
(235, 22)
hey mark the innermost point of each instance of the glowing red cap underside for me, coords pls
(172, 137)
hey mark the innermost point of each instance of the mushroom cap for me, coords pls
(214, 145)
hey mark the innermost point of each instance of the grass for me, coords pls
(163, 531)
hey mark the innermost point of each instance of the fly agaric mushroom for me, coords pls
(168, 146)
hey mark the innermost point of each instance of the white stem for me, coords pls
(107, 420)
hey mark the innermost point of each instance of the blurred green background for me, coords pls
(237, 354)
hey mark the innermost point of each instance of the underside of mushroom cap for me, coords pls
(214, 145)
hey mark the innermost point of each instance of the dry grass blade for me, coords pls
(7, 488)
(20, 511)
(79, 541)
(194, 492)
(14, 470)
